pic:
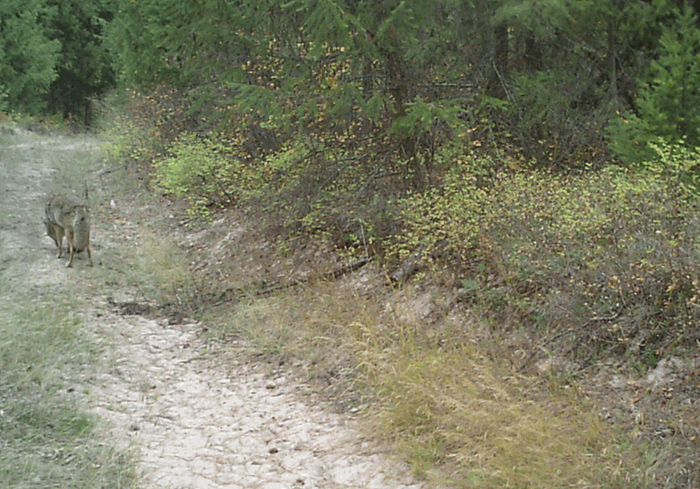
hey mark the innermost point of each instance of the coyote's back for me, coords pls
(69, 217)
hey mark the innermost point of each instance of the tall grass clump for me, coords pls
(160, 273)
(46, 439)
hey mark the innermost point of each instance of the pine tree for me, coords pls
(84, 67)
(27, 56)
(668, 98)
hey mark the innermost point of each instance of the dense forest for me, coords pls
(556, 83)
(538, 159)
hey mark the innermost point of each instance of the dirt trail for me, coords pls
(195, 416)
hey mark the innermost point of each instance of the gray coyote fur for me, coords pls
(69, 217)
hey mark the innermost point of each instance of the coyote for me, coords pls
(70, 218)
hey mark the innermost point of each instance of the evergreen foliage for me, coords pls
(84, 67)
(548, 76)
(52, 59)
(666, 108)
(356, 104)
(27, 56)
(543, 77)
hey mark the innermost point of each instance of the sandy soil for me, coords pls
(194, 415)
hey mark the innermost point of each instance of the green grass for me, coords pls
(46, 439)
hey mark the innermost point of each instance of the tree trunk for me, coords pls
(399, 88)
(496, 86)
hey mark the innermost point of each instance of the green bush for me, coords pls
(140, 126)
(604, 260)
(679, 165)
(448, 217)
(202, 171)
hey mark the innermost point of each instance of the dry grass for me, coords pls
(442, 400)
(160, 269)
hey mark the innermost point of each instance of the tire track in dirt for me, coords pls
(194, 415)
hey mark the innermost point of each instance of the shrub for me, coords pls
(201, 170)
(601, 261)
(446, 217)
(139, 126)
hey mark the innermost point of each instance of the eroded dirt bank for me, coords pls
(194, 415)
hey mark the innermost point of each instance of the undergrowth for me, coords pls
(326, 186)
(605, 261)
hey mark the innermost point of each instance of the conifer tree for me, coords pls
(27, 56)
(666, 107)
(84, 67)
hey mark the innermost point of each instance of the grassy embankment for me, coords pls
(493, 366)
(502, 376)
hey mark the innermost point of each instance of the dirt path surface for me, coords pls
(195, 415)
(203, 420)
